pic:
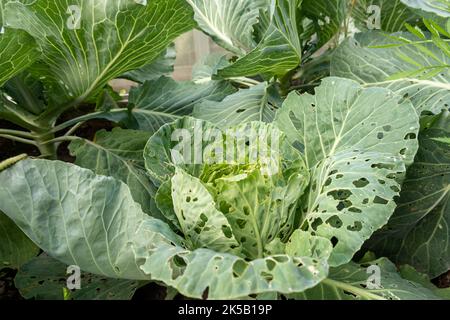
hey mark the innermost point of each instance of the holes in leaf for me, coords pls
(387, 128)
(357, 226)
(344, 204)
(380, 135)
(246, 210)
(328, 182)
(340, 194)
(267, 276)
(243, 239)
(240, 110)
(241, 223)
(410, 136)
(334, 241)
(339, 176)
(379, 200)
(205, 294)
(382, 182)
(334, 221)
(355, 210)
(361, 183)
(280, 259)
(403, 151)
(227, 231)
(382, 166)
(316, 223)
(188, 199)
(270, 264)
(239, 268)
(395, 188)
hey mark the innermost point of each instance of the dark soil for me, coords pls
(7, 289)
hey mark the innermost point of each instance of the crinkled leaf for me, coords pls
(356, 142)
(175, 144)
(162, 101)
(439, 7)
(45, 278)
(87, 43)
(229, 23)
(351, 281)
(202, 224)
(357, 59)
(247, 105)
(261, 204)
(119, 154)
(418, 233)
(15, 247)
(95, 224)
(223, 276)
(280, 49)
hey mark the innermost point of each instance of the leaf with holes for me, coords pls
(356, 143)
(358, 282)
(96, 214)
(418, 233)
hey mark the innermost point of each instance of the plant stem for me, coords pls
(18, 139)
(17, 133)
(350, 288)
(47, 150)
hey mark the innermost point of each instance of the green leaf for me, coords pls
(280, 49)
(44, 278)
(409, 273)
(392, 15)
(162, 66)
(350, 282)
(166, 148)
(74, 215)
(260, 203)
(439, 7)
(247, 105)
(229, 23)
(327, 16)
(119, 154)
(162, 101)
(359, 60)
(15, 247)
(356, 142)
(223, 276)
(18, 50)
(418, 233)
(87, 43)
(201, 223)
(206, 69)
(95, 224)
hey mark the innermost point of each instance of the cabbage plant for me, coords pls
(308, 161)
